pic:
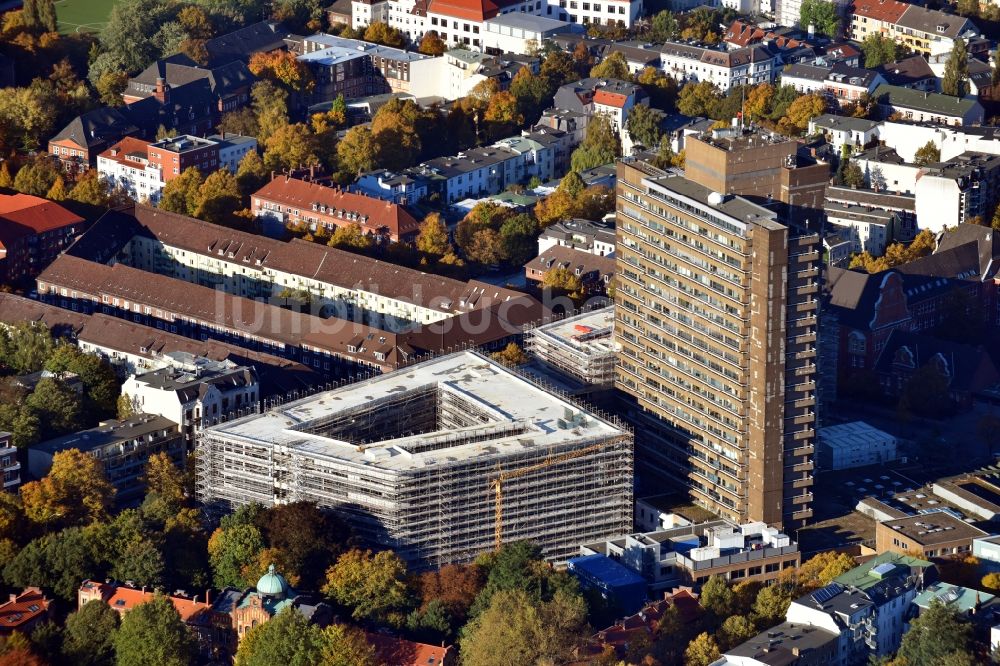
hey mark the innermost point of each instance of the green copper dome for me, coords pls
(272, 584)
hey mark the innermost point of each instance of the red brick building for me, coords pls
(33, 231)
(172, 156)
(24, 611)
(294, 201)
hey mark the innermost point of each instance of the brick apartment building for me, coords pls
(33, 231)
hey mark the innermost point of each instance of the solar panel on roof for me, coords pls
(824, 594)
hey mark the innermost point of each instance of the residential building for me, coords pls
(595, 273)
(408, 469)
(925, 107)
(902, 205)
(786, 644)
(170, 157)
(521, 33)
(229, 83)
(455, 74)
(9, 464)
(913, 72)
(242, 44)
(123, 447)
(698, 272)
(393, 650)
(355, 68)
(33, 231)
(937, 534)
(194, 397)
(211, 627)
(399, 188)
(759, 165)
(868, 229)
(620, 587)
(841, 131)
(287, 201)
(923, 30)
(886, 170)
(867, 607)
(853, 444)
(725, 68)
(167, 268)
(691, 554)
(952, 141)
(78, 144)
(581, 347)
(141, 168)
(841, 83)
(24, 611)
(611, 97)
(955, 192)
(966, 602)
(134, 348)
(741, 33)
(583, 235)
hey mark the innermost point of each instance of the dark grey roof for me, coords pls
(243, 43)
(970, 367)
(808, 72)
(223, 79)
(110, 433)
(857, 76)
(830, 121)
(907, 72)
(907, 98)
(934, 21)
(97, 129)
(785, 644)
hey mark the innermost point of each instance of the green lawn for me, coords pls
(83, 15)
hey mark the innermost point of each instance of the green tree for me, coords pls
(91, 189)
(736, 629)
(343, 645)
(380, 33)
(700, 99)
(373, 586)
(56, 561)
(25, 347)
(663, 27)
(516, 628)
(358, 151)
(270, 106)
(287, 638)
(716, 597)
(229, 550)
(702, 651)
(58, 407)
(956, 71)
(772, 603)
(853, 175)
(558, 68)
(533, 94)
(433, 236)
(110, 85)
(308, 538)
(40, 15)
(600, 146)
(89, 639)
(218, 198)
(928, 153)
(518, 239)
(100, 383)
(643, 125)
(613, 67)
(251, 175)
(37, 177)
(290, 147)
(936, 634)
(880, 50)
(180, 195)
(821, 14)
(75, 491)
(153, 634)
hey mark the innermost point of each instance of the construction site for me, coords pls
(580, 347)
(439, 461)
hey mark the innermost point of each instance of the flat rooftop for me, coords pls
(109, 432)
(511, 415)
(589, 333)
(929, 529)
(735, 207)
(528, 22)
(182, 144)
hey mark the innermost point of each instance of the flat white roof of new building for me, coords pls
(528, 22)
(522, 418)
(852, 435)
(588, 333)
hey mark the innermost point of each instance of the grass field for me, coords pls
(82, 15)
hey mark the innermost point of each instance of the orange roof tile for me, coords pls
(401, 652)
(120, 151)
(887, 11)
(23, 609)
(610, 99)
(124, 599)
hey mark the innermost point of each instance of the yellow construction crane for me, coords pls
(497, 483)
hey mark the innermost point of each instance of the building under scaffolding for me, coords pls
(580, 347)
(437, 461)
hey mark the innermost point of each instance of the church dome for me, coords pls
(272, 584)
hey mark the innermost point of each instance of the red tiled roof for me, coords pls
(23, 609)
(123, 599)
(120, 151)
(888, 11)
(23, 215)
(610, 99)
(470, 10)
(302, 194)
(401, 652)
